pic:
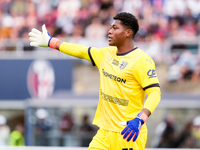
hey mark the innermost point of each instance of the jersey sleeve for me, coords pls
(75, 50)
(145, 73)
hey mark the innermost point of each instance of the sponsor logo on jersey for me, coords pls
(114, 100)
(109, 59)
(149, 60)
(115, 62)
(152, 73)
(113, 77)
(123, 65)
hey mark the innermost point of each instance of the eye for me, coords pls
(113, 27)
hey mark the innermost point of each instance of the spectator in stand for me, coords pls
(118, 4)
(66, 123)
(198, 28)
(42, 126)
(185, 68)
(5, 6)
(190, 135)
(6, 26)
(175, 31)
(18, 7)
(87, 131)
(4, 131)
(186, 138)
(168, 133)
(171, 7)
(43, 9)
(196, 129)
(163, 30)
(104, 13)
(17, 136)
(66, 11)
(77, 36)
(96, 32)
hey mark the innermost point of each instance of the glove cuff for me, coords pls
(53, 42)
(142, 116)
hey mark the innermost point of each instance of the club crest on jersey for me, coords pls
(123, 65)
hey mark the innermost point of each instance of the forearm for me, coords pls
(152, 100)
(73, 50)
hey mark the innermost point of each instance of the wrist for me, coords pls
(53, 42)
(142, 116)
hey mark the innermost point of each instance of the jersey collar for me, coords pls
(127, 52)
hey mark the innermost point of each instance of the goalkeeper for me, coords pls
(127, 74)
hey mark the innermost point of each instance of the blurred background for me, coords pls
(49, 99)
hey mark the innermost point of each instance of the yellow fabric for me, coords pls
(153, 98)
(75, 50)
(108, 140)
(123, 81)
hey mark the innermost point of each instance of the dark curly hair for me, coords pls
(128, 20)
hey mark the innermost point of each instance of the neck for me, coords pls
(125, 47)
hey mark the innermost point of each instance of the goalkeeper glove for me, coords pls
(42, 39)
(131, 131)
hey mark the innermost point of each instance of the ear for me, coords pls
(129, 33)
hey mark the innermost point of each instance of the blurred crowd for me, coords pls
(46, 130)
(87, 22)
(14, 137)
(169, 133)
(167, 136)
(158, 19)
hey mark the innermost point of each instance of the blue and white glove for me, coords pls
(132, 129)
(42, 39)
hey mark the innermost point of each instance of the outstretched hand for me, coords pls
(38, 38)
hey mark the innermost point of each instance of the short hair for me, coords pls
(128, 20)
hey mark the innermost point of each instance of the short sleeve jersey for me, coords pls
(123, 81)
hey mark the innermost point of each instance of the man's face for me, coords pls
(116, 34)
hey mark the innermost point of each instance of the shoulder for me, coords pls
(143, 59)
(138, 55)
(143, 56)
(109, 49)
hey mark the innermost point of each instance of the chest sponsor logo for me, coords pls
(123, 65)
(115, 62)
(151, 73)
(113, 77)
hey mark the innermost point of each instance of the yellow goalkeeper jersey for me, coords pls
(123, 80)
